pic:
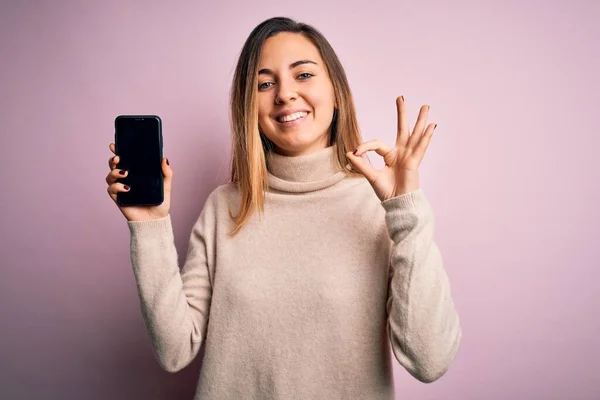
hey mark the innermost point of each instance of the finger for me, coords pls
(421, 147)
(403, 132)
(167, 175)
(372, 145)
(363, 166)
(379, 147)
(417, 132)
(113, 162)
(115, 174)
(116, 188)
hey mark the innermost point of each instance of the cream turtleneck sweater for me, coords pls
(304, 302)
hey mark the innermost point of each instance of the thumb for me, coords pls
(363, 166)
(167, 174)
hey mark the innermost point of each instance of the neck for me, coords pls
(307, 172)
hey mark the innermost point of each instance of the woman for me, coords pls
(305, 267)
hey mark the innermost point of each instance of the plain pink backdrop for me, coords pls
(511, 173)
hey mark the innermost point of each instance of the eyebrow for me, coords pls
(292, 65)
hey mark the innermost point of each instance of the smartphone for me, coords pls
(138, 143)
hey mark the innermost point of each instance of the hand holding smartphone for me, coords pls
(140, 178)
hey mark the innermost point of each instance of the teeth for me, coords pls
(292, 117)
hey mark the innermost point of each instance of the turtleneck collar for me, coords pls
(305, 173)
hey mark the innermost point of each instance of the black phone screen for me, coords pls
(138, 143)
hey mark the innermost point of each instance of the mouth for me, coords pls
(292, 119)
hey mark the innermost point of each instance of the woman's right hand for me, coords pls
(136, 213)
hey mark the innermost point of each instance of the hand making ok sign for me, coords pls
(400, 174)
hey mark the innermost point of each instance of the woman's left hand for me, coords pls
(400, 174)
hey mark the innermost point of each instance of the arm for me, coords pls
(423, 326)
(175, 305)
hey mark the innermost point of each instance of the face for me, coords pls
(295, 95)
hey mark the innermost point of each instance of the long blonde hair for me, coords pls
(249, 146)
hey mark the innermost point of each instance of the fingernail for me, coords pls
(402, 97)
(354, 152)
(435, 126)
(168, 162)
(126, 187)
(122, 172)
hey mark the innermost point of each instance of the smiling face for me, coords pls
(295, 95)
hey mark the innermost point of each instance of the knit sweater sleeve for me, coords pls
(175, 304)
(423, 325)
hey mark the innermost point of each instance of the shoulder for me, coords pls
(361, 189)
(226, 191)
(356, 197)
(216, 207)
(222, 195)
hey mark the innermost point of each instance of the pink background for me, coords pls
(510, 173)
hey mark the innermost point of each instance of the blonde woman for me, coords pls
(309, 264)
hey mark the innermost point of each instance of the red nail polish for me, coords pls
(402, 97)
(168, 162)
(435, 126)
(126, 187)
(354, 152)
(122, 172)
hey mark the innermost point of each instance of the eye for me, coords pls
(263, 86)
(266, 85)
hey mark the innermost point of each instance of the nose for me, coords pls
(286, 92)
